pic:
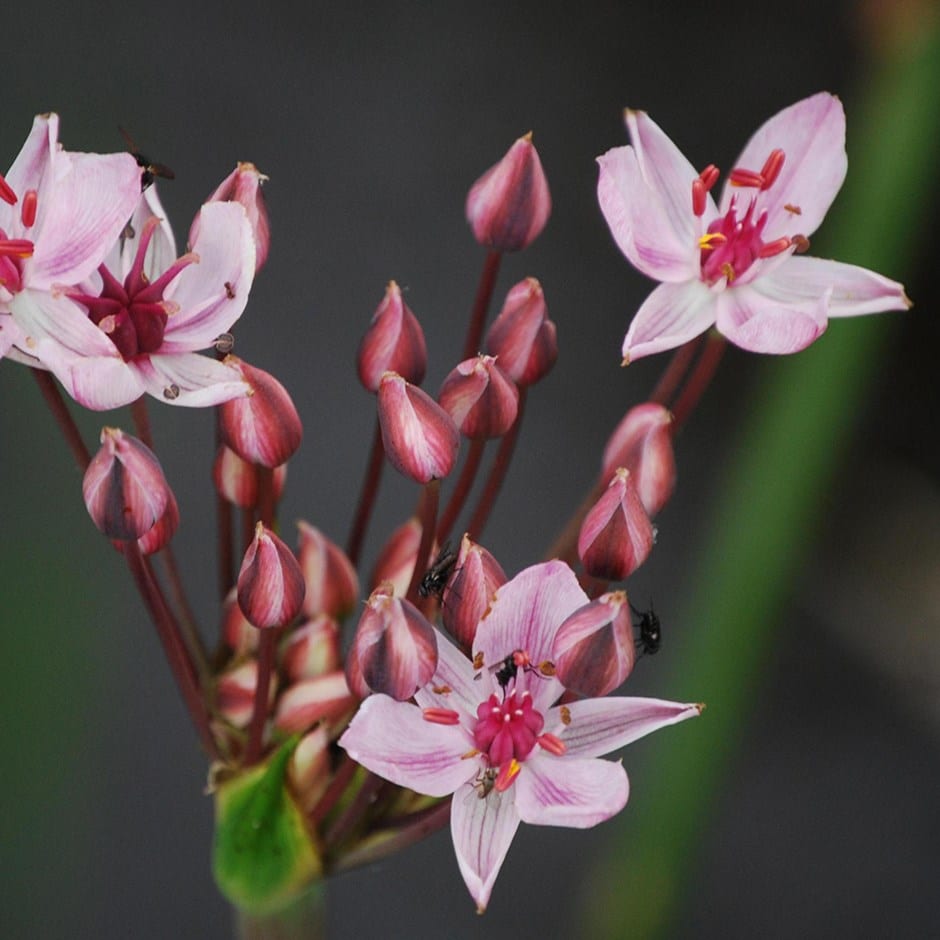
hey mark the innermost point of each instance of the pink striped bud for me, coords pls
(312, 649)
(508, 206)
(396, 561)
(159, 536)
(235, 693)
(263, 427)
(480, 398)
(332, 582)
(467, 597)
(243, 185)
(522, 337)
(394, 342)
(308, 770)
(323, 699)
(270, 583)
(237, 480)
(394, 648)
(421, 440)
(593, 650)
(642, 443)
(237, 632)
(124, 488)
(616, 535)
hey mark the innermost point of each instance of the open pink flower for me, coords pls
(60, 212)
(487, 731)
(135, 325)
(737, 265)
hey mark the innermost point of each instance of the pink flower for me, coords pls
(737, 265)
(135, 327)
(60, 212)
(487, 731)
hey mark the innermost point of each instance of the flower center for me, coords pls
(13, 251)
(507, 730)
(134, 314)
(732, 244)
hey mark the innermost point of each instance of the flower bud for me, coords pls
(237, 480)
(309, 768)
(522, 337)
(480, 398)
(124, 488)
(396, 561)
(331, 580)
(420, 438)
(642, 443)
(270, 583)
(235, 693)
(594, 650)
(243, 185)
(467, 597)
(237, 632)
(263, 427)
(325, 698)
(394, 647)
(312, 649)
(508, 206)
(394, 342)
(159, 536)
(616, 535)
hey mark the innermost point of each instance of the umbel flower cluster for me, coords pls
(465, 696)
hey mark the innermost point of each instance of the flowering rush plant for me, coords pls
(465, 696)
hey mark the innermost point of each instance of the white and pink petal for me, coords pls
(453, 684)
(189, 380)
(672, 315)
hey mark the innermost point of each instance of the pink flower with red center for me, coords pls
(136, 325)
(489, 732)
(737, 265)
(60, 213)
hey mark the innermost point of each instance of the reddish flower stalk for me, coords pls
(481, 304)
(673, 373)
(461, 490)
(225, 549)
(63, 417)
(699, 380)
(367, 496)
(267, 646)
(430, 498)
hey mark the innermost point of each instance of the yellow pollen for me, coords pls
(728, 271)
(707, 242)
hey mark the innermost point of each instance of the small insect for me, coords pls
(485, 782)
(436, 577)
(150, 169)
(650, 636)
(507, 669)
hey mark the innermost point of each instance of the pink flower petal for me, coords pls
(199, 380)
(854, 290)
(96, 382)
(812, 135)
(482, 830)
(10, 333)
(759, 323)
(393, 739)
(30, 168)
(671, 316)
(161, 252)
(579, 792)
(600, 725)
(455, 673)
(44, 316)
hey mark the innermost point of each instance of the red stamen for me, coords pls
(709, 176)
(28, 209)
(552, 744)
(772, 168)
(741, 177)
(6, 192)
(441, 716)
(699, 193)
(774, 248)
(16, 248)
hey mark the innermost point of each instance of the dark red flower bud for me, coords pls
(159, 536)
(394, 342)
(616, 535)
(522, 337)
(477, 575)
(396, 561)
(237, 632)
(508, 206)
(594, 650)
(325, 698)
(421, 440)
(235, 693)
(124, 488)
(642, 443)
(270, 583)
(332, 582)
(263, 427)
(237, 480)
(313, 649)
(480, 398)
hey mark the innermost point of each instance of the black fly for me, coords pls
(507, 669)
(650, 636)
(150, 170)
(436, 577)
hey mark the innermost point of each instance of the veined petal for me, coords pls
(161, 252)
(213, 292)
(854, 290)
(46, 316)
(94, 381)
(10, 333)
(671, 316)
(756, 322)
(200, 380)
(393, 740)
(811, 133)
(574, 792)
(31, 169)
(600, 725)
(642, 227)
(482, 830)
(454, 677)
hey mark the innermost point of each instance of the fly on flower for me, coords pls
(507, 669)
(436, 577)
(737, 264)
(650, 637)
(150, 169)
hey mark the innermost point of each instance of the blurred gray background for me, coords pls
(372, 121)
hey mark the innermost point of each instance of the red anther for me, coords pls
(800, 244)
(774, 248)
(552, 744)
(441, 716)
(16, 248)
(709, 176)
(739, 177)
(771, 169)
(28, 209)
(699, 194)
(6, 192)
